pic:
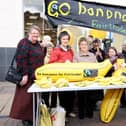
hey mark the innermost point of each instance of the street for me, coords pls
(6, 97)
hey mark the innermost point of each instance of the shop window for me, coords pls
(33, 14)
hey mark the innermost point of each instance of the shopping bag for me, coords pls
(45, 119)
(58, 114)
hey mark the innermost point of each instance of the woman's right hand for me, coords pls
(24, 80)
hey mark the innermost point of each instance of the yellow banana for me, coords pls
(110, 104)
(83, 83)
(45, 119)
(61, 82)
(112, 97)
(45, 82)
(73, 71)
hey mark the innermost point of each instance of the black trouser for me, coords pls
(123, 98)
(99, 95)
(86, 103)
(67, 100)
(45, 96)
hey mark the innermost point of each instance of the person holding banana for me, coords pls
(100, 56)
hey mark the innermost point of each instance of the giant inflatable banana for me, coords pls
(111, 99)
(73, 71)
(110, 104)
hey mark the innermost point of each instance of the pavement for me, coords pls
(6, 97)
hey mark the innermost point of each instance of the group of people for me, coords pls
(32, 54)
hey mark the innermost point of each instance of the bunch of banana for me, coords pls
(45, 82)
(61, 82)
(123, 78)
(106, 81)
(116, 80)
(83, 83)
(45, 119)
(110, 104)
(102, 81)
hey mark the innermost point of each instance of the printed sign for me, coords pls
(87, 14)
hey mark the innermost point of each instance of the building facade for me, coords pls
(16, 17)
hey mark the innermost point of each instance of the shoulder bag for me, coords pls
(13, 75)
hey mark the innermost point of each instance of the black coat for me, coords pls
(29, 57)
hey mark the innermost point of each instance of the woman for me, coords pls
(100, 56)
(30, 55)
(85, 98)
(49, 49)
(112, 54)
(61, 54)
(123, 54)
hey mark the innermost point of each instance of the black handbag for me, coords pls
(13, 75)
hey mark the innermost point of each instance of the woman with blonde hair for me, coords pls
(29, 56)
(85, 98)
(49, 49)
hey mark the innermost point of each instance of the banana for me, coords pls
(112, 97)
(45, 119)
(45, 82)
(110, 104)
(83, 83)
(61, 82)
(106, 81)
(73, 71)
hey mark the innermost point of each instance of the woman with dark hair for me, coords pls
(62, 54)
(96, 49)
(123, 54)
(100, 56)
(112, 54)
(63, 51)
(29, 56)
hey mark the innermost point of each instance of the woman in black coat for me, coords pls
(30, 55)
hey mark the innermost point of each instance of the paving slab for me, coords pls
(6, 97)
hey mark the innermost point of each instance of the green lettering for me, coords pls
(94, 23)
